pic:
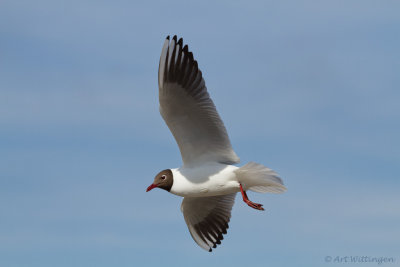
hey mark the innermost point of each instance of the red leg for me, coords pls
(248, 202)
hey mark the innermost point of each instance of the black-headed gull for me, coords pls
(208, 180)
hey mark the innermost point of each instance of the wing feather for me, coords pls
(207, 218)
(188, 110)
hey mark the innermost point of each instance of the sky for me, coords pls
(307, 88)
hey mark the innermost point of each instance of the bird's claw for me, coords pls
(256, 206)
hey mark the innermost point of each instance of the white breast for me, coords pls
(208, 180)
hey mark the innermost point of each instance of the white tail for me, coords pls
(258, 178)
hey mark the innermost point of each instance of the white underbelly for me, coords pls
(211, 180)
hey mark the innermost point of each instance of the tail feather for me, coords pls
(258, 178)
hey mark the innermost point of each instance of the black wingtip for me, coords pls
(190, 55)
(175, 38)
(167, 37)
(180, 42)
(210, 250)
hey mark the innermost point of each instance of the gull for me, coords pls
(208, 180)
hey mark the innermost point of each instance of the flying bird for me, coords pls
(208, 180)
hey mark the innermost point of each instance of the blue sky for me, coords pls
(310, 89)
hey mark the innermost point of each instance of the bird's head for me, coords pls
(164, 180)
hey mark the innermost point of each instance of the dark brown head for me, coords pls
(164, 180)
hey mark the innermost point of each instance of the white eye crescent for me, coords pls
(163, 177)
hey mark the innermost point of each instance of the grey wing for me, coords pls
(207, 218)
(188, 110)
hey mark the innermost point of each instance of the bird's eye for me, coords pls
(163, 177)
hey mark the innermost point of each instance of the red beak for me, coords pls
(151, 187)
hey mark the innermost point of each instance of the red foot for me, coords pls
(248, 202)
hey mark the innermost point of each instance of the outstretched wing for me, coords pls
(188, 110)
(207, 218)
